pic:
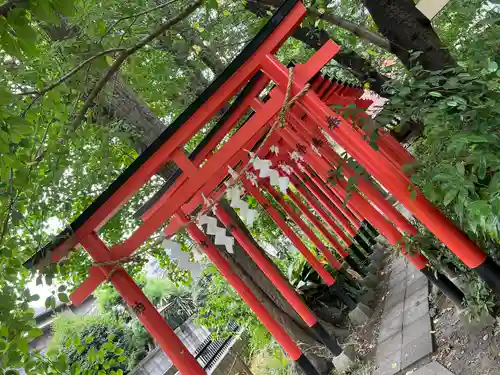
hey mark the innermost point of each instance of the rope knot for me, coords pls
(289, 102)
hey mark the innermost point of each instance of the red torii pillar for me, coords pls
(387, 230)
(333, 211)
(325, 275)
(287, 231)
(308, 195)
(273, 273)
(391, 178)
(324, 216)
(279, 334)
(144, 309)
(366, 187)
(320, 227)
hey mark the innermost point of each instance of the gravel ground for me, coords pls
(465, 351)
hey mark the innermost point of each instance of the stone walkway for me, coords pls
(433, 368)
(405, 329)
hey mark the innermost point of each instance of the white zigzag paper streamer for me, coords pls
(220, 233)
(265, 170)
(233, 194)
(173, 250)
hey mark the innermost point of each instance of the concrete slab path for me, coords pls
(405, 330)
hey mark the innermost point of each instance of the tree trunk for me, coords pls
(124, 104)
(407, 30)
(315, 38)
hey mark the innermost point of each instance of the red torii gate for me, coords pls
(308, 120)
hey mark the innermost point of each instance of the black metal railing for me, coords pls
(210, 351)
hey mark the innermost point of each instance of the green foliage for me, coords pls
(458, 155)
(221, 305)
(91, 344)
(458, 165)
(270, 360)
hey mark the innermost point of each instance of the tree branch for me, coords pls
(136, 16)
(329, 17)
(8, 6)
(71, 73)
(5, 225)
(357, 30)
(127, 53)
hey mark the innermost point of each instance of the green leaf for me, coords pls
(6, 96)
(449, 196)
(121, 359)
(50, 302)
(495, 206)
(212, 4)
(110, 347)
(413, 194)
(34, 333)
(29, 49)
(61, 363)
(494, 185)
(25, 32)
(101, 27)
(481, 170)
(65, 7)
(479, 208)
(43, 10)
(91, 355)
(435, 94)
(492, 66)
(4, 331)
(63, 297)
(89, 339)
(69, 343)
(75, 369)
(459, 209)
(23, 345)
(404, 91)
(11, 45)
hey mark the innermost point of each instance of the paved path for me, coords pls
(405, 330)
(433, 368)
